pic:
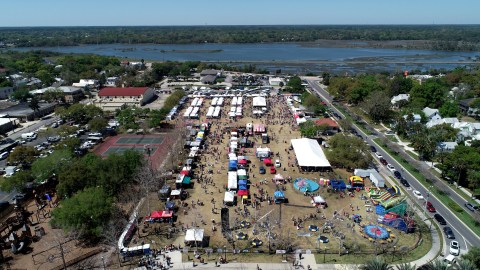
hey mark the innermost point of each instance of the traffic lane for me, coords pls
(458, 228)
(453, 223)
(456, 225)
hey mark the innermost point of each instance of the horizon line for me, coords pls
(230, 25)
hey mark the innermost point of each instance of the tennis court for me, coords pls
(139, 140)
(121, 149)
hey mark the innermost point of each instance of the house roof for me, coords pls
(118, 91)
(209, 72)
(326, 121)
(429, 111)
(209, 78)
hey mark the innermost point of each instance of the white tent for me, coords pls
(263, 152)
(318, 200)
(232, 180)
(309, 153)
(242, 172)
(194, 235)
(259, 102)
(229, 197)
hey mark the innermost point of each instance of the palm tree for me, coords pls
(465, 265)
(377, 263)
(406, 266)
(438, 265)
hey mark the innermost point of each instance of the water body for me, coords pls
(289, 56)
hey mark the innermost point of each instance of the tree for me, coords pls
(377, 105)
(400, 85)
(54, 95)
(23, 154)
(431, 93)
(16, 182)
(87, 212)
(70, 144)
(459, 162)
(438, 265)
(309, 129)
(449, 109)
(376, 263)
(34, 105)
(97, 123)
(348, 152)
(45, 76)
(465, 265)
(21, 95)
(473, 255)
(44, 168)
(406, 266)
(294, 85)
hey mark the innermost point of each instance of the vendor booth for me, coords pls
(194, 237)
(229, 198)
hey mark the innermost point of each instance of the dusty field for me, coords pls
(210, 191)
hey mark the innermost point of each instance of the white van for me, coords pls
(3, 155)
(450, 260)
(29, 136)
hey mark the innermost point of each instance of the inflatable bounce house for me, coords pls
(356, 182)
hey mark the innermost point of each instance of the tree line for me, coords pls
(440, 37)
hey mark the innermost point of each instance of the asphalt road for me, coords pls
(466, 237)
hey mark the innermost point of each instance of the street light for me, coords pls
(393, 254)
(225, 254)
(103, 262)
(324, 253)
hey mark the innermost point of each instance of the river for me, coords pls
(286, 56)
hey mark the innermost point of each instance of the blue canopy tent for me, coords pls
(279, 196)
(338, 185)
(242, 182)
(242, 187)
(232, 165)
(170, 205)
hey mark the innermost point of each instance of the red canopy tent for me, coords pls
(242, 161)
(185, 172)
(267, 161)
(161, 214)
(242, 192)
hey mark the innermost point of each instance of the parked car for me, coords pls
(470, 207)
(391, 168)
(261, 170)
(383, 161)
(418, 195)
(95, 134)
(448, 232)
(277, 163)
(430, 207)
(374, 150)
(397, 174)
(454, 248)
(378, 155)
(405, 183)
(440, 219)
(273, 170)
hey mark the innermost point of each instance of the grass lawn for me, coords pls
(392, 138)
(412, 154)
(452, 205)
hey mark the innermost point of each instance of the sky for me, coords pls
(240, 12)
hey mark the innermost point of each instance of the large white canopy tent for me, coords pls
(194, 235)
(309, 153)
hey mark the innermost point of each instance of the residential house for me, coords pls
(208, 79)
(417, 118)
(431, 114)
(276, 81)
(446, 146)
(111, 81)
(450, 120)
(398, 98)
(89, 83)
(464, 106)
(474, 129)
(71, 94)
(112, 98)
(5, 92)
(332, 126)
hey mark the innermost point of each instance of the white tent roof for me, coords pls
(318, 199)
(309, 153)
(232, 180)
(229, 196)
(194, 235)
(259, 102)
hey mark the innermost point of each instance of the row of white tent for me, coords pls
(214, 112)
(233, 178)
(237, 101)
(217, 101)
(191, 112)
(197, 102)
(235, 111)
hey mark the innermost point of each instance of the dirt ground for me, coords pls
(209, 190)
